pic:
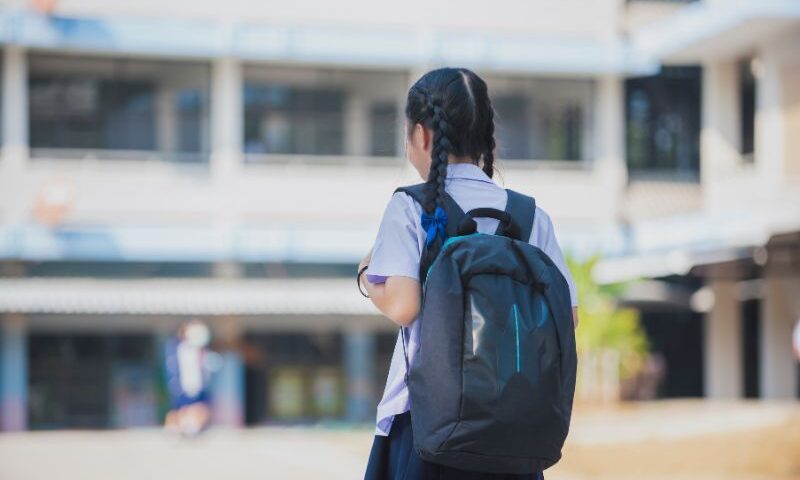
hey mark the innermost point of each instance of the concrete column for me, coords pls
(228, 388)
(15, 106)
(227, 139)
(791, 118)
(720, 135)
(780, 309)
(359, 366)
(769, 123)
(227, 117)
(402, 97)
(166, 121)
(609, 140)
(356, 125)
(723, 343)
(13, 373)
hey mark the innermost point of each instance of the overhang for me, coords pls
(183, 297)
(718, 29)
(359, 46)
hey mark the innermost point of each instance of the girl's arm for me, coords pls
(398, 297)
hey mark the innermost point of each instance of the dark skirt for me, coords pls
(394, 458)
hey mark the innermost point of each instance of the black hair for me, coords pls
(454, 103)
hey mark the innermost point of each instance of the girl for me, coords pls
(189, 373)
(450, 142)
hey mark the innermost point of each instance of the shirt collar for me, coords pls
(468, 171)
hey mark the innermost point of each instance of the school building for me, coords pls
(231, 161)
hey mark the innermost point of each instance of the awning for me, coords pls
(184, 296)
(676, 245)
(666, 263)
(719, 30)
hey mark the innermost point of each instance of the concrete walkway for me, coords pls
(660, 440)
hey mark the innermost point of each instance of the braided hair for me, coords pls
(454, 104)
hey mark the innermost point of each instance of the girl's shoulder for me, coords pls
(543, 229)
(403, 204)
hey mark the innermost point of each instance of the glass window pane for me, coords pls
(663, 122)
(123, 105)
(295, 120)
(542, 119)
(384, 125)
(511, 126)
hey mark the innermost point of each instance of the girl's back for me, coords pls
(450, 142)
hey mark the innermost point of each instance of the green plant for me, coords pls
(603, 324)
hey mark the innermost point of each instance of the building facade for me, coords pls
(232, 164)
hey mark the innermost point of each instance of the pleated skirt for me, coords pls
(393, 458)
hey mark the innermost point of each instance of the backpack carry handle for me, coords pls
(508, 227)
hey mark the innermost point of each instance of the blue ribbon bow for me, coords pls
(436, 224)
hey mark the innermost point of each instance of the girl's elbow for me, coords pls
(403, 314)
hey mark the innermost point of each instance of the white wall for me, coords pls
(587, 18)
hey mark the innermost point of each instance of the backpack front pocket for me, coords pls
(511, 369)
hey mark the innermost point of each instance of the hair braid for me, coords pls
(488, 155)
(439, 155)
(453, 103)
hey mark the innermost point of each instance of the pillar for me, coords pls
(15, 106)
(227, 117)
(228, 387)
(359, 366)
(356, 125)
(13, 373)
(227, 140)
(400, 146)
(723, 361)
(720, 134)
(769, 123)
(609, 141)
(780, 309)
(166, 121)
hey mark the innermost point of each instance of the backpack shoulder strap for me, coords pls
(522, 209)
(451, 208)
(454, 216)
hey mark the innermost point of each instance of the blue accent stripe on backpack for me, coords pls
(516, 331)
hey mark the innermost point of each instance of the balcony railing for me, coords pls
(262, 159)
(182, 158)
(367, 160)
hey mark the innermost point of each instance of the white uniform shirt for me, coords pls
(397, 252)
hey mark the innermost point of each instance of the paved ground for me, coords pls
(662, 440)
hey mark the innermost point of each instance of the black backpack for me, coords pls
(492, 383)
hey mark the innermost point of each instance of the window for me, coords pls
(542, 119)
(663, 122)
(92, 380)
(383, 129)
(296, 114)
(80, 104)
(286, 119)
(299, 377)
(747, 106)
(91, 113)
(511, 124)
